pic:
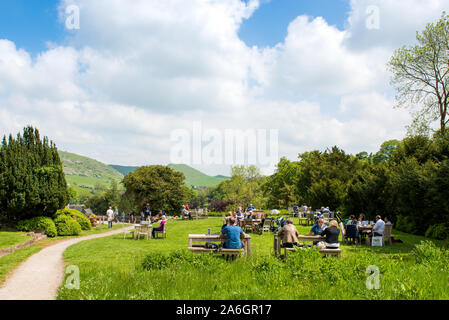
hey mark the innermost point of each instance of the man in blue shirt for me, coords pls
(318, 228)
(233, 234)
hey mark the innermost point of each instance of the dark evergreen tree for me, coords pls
(32, 182)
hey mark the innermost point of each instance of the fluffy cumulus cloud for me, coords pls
(136, 71)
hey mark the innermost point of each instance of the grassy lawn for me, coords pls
(9, 262)
(114, 268)
(9, 239)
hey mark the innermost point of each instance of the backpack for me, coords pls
(211, 245)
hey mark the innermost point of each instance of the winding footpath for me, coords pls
(41, 275)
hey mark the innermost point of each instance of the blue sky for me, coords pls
(268, 25)
(31, 24)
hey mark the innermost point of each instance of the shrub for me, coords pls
(428, 252)
(80, 218)
(218, 205)
(438, 231)
(405, 224)
(66, 226)
(38, 223)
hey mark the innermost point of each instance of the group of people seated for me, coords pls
(240, 215)
(289, 234)
(186, 211)
(377, 227)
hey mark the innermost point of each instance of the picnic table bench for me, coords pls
(307, 238)
(200, 248)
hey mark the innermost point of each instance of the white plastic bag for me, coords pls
(377, 241)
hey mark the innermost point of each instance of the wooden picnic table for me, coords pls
(277, 241)
(361, 228)
(216, 238)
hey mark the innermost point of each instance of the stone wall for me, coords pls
(36, 237)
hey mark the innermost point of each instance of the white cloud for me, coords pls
(136, 70)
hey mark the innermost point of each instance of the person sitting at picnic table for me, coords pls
(226, 223)
(289, 234)
(362, 218)
(387, 220)
(240, 218)
(295, 209)
(161, 225)
(353, 221)
(318, 228)
(378, 228)
(331, 233)
(233, 234)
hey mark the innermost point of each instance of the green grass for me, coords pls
(9, 239)
(111, 268)
(9, 262)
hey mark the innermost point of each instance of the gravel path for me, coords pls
(40, 276)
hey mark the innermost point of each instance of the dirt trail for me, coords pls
(40, 276)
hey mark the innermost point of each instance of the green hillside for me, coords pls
(193, 176)
(124, 170)
(85, 173)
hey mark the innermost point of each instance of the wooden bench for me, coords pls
(217, 251)
(326, 252)
(195, 247)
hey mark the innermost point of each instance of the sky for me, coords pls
(139, 81)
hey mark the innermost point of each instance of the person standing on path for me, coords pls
(147, 211)
(110, 215)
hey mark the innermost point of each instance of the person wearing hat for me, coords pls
(110, 215)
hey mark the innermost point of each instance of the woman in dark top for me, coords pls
(332, 233)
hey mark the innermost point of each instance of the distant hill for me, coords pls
(193, 177)
(84, 173)
(124, 170)
(197, 178)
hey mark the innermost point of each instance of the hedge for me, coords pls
(78, 216)
(66, 226)
(38, 223)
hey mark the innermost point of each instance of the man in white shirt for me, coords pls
(379, 227)
(110, 215)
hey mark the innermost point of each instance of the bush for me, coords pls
(405, 224)
(38, 223)
(78, 216)
(428, 252)
(218, 205)
(438, 231)
(66, 226)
